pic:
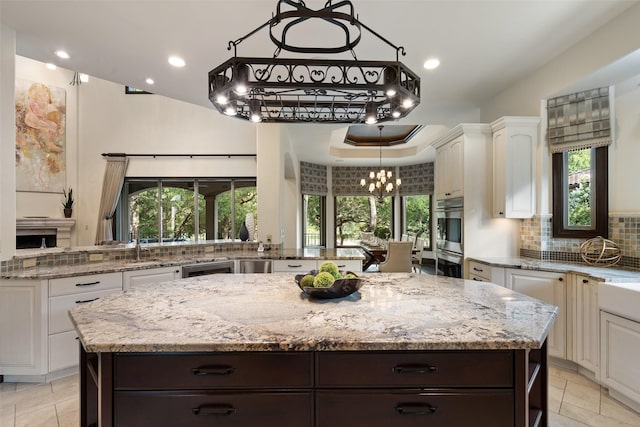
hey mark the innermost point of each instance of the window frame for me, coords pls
(323, 221)
(601, 202)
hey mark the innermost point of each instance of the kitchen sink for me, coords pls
(622, 299)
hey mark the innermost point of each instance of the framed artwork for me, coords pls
(40, 137)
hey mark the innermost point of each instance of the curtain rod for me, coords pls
(176, 155)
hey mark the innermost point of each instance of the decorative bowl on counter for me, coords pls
(340, 287)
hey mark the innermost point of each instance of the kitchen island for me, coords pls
(253, 350)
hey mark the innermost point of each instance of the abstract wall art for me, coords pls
(40, 137)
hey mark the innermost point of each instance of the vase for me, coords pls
(251, 224)
(244, 232)
(67, 212)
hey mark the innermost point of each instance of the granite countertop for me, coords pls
(68, 270)
(600, 274)
(254, 312)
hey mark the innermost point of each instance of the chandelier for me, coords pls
(314, 90)
(380, 182)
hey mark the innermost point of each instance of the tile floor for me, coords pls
(574, 401)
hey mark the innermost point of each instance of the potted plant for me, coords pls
(68, 202)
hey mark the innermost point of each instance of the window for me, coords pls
(357, 214)
(580, 193)
(313, 224)
(185, 209)
(416, 217)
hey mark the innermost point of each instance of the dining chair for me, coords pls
(398, 258)
(416, 258)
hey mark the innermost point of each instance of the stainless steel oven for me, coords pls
(450, 236)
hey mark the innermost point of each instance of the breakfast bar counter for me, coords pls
(253, 349)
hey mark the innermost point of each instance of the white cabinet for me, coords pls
(64, 294)
(23, 327)
(619, 368)
(548, 287)
(449, 169)
(514, 166)
(306, 265)
(133, 278)
(294, 265)
(482, 272)
(587, 325)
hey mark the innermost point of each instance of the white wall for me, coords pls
(102, 119)
(624, 173)
(615, 40)
(7, 144)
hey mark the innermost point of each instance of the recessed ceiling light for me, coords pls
(62, 54)
(149, 81)
(431, 63)
(51, 66)
(176, 61)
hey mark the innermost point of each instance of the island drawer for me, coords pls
(411, 369)
(415, 408)
(174, 371)
(283, 409)
(89, 283)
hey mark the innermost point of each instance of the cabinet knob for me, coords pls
(500, 213)
(585, 281)
(560, 279)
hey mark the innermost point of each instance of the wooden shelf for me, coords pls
(534, 369)
(535, 415)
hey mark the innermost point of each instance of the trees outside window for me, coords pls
(357, 214)
(222, 206)
(580, 193)
(417, 216)
(313, 225)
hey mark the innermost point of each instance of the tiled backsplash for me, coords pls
(536, 241)
(126, 254)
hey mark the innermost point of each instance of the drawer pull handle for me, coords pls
(84, 301)
(478, 269)
(477, 280)
(216, 410)
(294, 265)
(213, 370)
(415, 369)
(416, 409)
(88, 284)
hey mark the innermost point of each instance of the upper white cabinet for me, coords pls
(449, 170)
(514, 166)
(550, 288)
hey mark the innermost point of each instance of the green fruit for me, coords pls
(350, 276)
(307, 281)
(331, 268)
(323, 280)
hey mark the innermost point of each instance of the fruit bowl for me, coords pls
(340, 288)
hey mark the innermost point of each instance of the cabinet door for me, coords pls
(548, 287)
(587, 324)
(23, 330)
(135, 278)
(455, 166)
(499, 155)
(619, 355)
(441, 173)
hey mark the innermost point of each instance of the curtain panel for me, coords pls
(313, 179)
(579, 120)
(114, 174)
(416, 179)
(346, 179)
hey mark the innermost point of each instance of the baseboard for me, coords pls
(42, 378)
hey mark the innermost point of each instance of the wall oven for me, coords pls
(450, 236)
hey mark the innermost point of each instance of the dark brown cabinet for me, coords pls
(315, 389)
